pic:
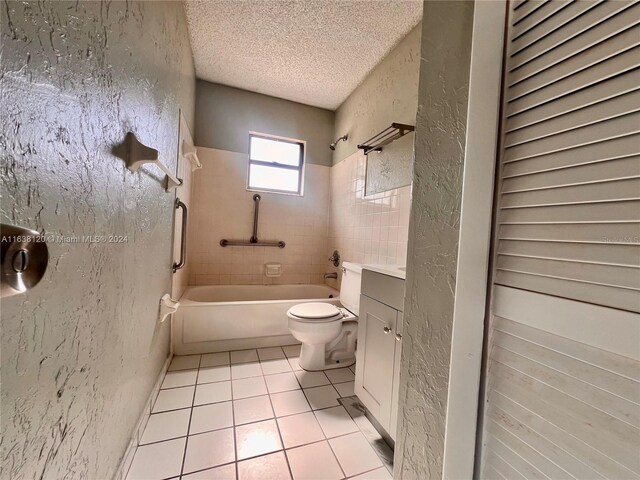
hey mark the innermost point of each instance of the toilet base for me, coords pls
(314, 358)
(338, 353)
(327, 365)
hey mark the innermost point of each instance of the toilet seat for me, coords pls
(316, 312)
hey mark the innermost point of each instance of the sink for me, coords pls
(392, 270)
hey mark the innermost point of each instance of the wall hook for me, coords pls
(138, 154)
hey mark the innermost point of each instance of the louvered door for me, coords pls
(562, 378)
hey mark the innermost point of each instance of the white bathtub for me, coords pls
(217, 318)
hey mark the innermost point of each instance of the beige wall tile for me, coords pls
(370, 229)
(223, 208)
(332, 214)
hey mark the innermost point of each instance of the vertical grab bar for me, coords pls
(183, 236)
(254, 238)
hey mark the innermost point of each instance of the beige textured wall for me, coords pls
(433, 238)
(388, 94)
(225, 116)
(223, 208)
(81, 351)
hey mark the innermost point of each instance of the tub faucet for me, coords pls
(331, 275)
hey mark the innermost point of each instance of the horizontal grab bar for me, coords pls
(237, 243)
(253, 241)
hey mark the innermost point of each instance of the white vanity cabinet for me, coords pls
(379, 347)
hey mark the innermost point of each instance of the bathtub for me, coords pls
(217, 318)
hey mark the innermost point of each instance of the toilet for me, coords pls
(328, 332)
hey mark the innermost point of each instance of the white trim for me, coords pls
(127, 457)
(582, 322)
(301, 170)
(475, 239)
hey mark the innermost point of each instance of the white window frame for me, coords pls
(300, 169)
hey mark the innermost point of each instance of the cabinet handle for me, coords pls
(386, 329)
(398, 337)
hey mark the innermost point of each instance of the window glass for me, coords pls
(275, 164)
(276, 151)
(273, 178)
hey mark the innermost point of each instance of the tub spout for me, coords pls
(331, 275)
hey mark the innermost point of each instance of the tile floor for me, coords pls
(255, 414)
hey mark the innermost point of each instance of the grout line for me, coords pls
(181, 386)
(344, 475)
(304, 391)
(182, 370)
(325, 439)
(244, 398)
(235, 439)
(232, 378)
(385, 462)
(172, 409)
(164, 440)
(186, 443)
(284, 451)
(274, 418)
(208, 468)
(342, 383)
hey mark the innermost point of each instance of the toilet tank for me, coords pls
(350, 286)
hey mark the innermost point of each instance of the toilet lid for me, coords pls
(315, 310)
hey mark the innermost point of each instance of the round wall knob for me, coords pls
(23, 259)
(386, 329)
(398, 337)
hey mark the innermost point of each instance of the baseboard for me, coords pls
(127, 458)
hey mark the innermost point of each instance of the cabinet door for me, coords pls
(395, 393)
(375, 355)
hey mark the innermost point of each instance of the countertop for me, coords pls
(398, 271)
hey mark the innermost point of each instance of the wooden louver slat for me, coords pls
(562, 391)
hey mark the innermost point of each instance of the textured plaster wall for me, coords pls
(433, 238)
(226, 115)
(388, 94)
(82, 350)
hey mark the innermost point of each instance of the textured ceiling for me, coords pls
(315, 51)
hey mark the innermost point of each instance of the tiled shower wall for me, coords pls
(223, 208)
(332, 214)
(371, 229)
